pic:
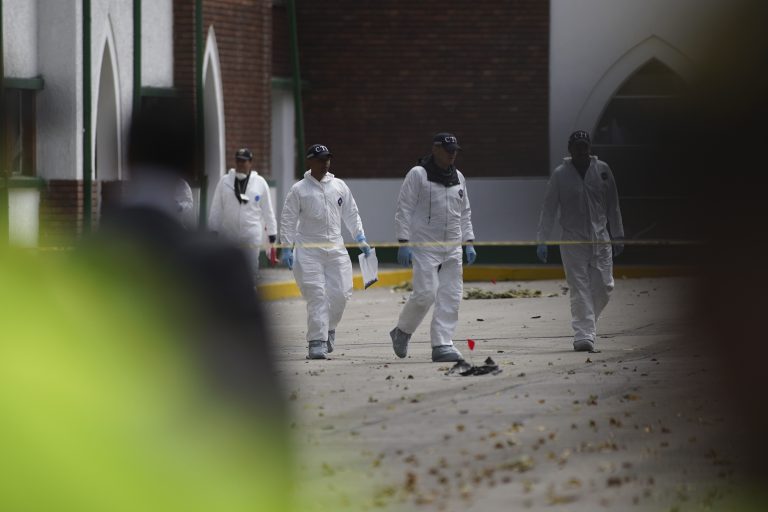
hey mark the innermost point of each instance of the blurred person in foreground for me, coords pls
(148, 384)
(724, 139)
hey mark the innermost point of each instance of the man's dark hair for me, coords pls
(162, 137)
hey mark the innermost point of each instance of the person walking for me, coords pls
(242, 207)
(433, 209)
(583, 189)
(313, 247)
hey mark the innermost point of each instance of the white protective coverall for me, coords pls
(587, 207)
(313, 213)
(431, 212)
(185, 204)
(243, 223)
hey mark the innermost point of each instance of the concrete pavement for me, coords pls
(638, 426)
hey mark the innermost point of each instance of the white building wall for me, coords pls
(59, 104)
(44, 37)
(60, 59)
(157, 43)
(215, 129)
(502, 209)
(20, 51)
(283, 155)
(112, 20)
(20, 38)
(23, 215)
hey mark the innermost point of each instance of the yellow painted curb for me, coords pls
(279, 290)
(288, 289)
(541, 272)
(528, 273)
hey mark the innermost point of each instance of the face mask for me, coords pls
(240, 176)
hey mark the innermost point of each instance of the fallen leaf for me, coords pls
(410, 482)
(521, 465)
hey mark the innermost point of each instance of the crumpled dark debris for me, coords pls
(465, 369)
(477, 293)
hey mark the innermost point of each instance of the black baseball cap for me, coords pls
(244, 154)
(318, 151)
(447, 140)
(579, 136)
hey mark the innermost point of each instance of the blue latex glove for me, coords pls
(541, 252)
(286, 258)
(618, 247)
(404, 255)
(363, 245)
(471, 254)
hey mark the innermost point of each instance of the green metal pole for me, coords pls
(136, 57)
(4, 201)
(296, 72)
(199, 105)
(87, 150)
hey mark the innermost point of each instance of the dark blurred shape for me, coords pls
(244, 154)
(724, 144)
(139, 369)
(222, 319)
(207, 289)
(162, 138)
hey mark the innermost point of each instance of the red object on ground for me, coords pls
(273, 256)
(471, 344)
(493, 281)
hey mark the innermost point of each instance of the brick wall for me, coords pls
(385, 76)
(244, 35)
(61, 211)
(281, 43)
(184, 48)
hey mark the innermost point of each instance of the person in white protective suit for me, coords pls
(242, 206)
(314, 210)
(185, 204)
(433, 213)
(584, 191)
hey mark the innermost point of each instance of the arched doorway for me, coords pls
(636, 135)
(107, 159)
(213, 104)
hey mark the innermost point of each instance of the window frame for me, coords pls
(26, 89)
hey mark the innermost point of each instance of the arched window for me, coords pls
(636, 136)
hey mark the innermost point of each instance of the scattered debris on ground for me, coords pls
(405, 286)
(465, 369)
(523, 293)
